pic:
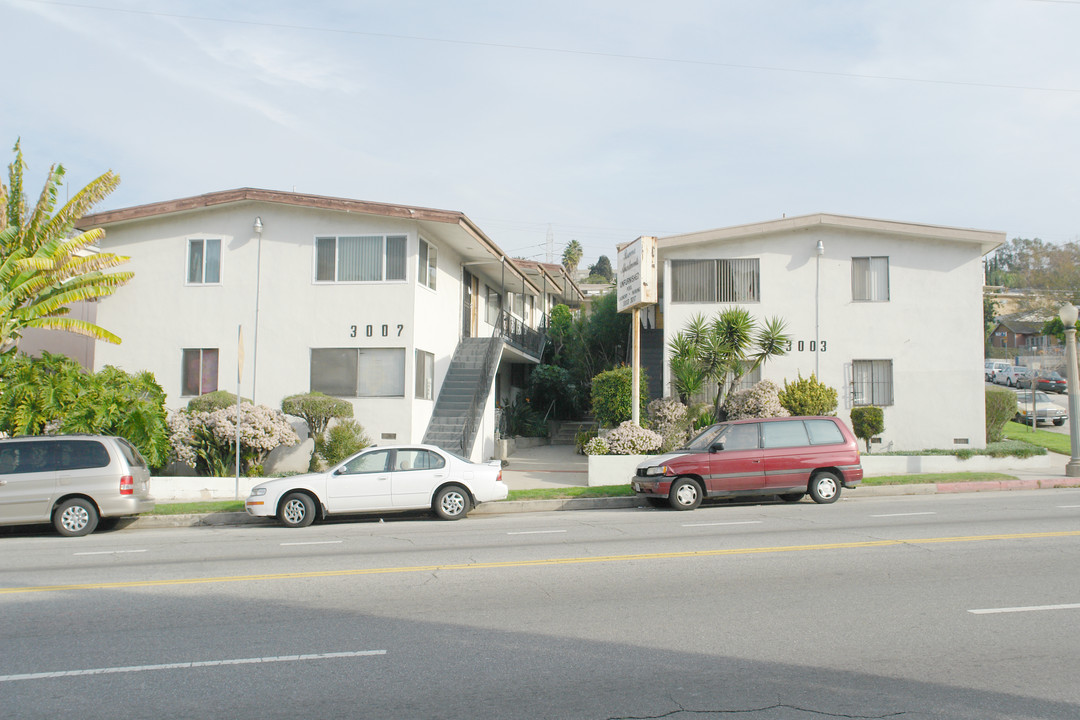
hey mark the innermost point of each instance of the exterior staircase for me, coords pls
(564, 432)
(462, 397)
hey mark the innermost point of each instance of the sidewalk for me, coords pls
(546, 466)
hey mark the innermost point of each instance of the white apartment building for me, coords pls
(277, 293)
(888, 313)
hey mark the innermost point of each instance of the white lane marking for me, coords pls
(741, 522)
(186, 665)
(904, 514)
(536, 532)
(315, 542)
(110, 552)
(1031, 608)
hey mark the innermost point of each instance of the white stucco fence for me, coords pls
(618, 469)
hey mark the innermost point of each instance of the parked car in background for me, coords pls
(1038, 405)
(787, 457)
(1011, 376)
(71, 481)
(992, 367)
(1048, 381)
(382, 479)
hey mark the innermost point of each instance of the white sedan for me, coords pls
(381, 479)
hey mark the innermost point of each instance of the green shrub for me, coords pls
(522, 419)
(343, 440)
(550, 388)
(582, 438)
(867, 421)
(1000, 409)
(317, 410)
(612, 397)
(217, 400)
(808, 396)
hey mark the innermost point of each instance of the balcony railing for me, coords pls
(519, 335)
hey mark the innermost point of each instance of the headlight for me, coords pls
(656, 470)
(256, 492)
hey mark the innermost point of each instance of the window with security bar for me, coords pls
(872, 382)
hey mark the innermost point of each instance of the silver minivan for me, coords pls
(71, 481)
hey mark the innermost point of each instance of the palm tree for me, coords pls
(44, 266)
(722, 351)
(572, 256)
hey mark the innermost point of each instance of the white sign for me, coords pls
(637, 274)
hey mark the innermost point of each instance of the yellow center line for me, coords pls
(537, 563)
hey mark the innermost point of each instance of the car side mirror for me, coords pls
(717, 446)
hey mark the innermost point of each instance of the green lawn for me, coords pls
(1054, 442)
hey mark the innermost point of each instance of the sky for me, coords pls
(588, 120)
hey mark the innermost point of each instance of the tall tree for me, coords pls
(602, 267)
(725, 348)
(44, 267)
(572, 256)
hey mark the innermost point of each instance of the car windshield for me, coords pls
(705, 438)
(1040, 397)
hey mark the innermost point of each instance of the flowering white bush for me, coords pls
(760, 401)
(597, 446)
(206, 441)
(629, 439)
(670, 420)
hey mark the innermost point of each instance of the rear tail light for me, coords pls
(498, 478)
(127, 485)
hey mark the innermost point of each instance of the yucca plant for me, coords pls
(45, 265)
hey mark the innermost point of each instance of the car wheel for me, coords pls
(792, 497)
(685, 494)
(825, 488)
(451, 503)
(75, 518)
(297, 510)
(1059, 423)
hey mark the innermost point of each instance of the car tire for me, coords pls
(75, 517)
(825, 488)
(451, 503)
(792, 497)
(297, 510)
(1059, 423)
(685, 494)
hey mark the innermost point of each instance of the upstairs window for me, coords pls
(716, 281)
(493, 303)
(429, 263)
(204, 261)
(360, 258)
(870, 279)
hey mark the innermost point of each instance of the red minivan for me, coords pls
(788, 457)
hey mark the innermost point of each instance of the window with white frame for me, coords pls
(358, 372)
(716, 281)
(204, 261)
(517, 304)
(199, 371)
(360, 258)
(870, 279)
(493, 303)
(429, 263)
(872, 382)
(425, 375)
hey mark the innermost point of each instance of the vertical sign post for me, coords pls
(239, 378)
(636, 289)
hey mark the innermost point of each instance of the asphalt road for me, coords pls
(938, 606)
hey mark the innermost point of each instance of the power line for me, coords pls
(569, 51)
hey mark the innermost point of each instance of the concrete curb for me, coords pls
(606, 503)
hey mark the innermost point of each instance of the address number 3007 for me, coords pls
(374, 330)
